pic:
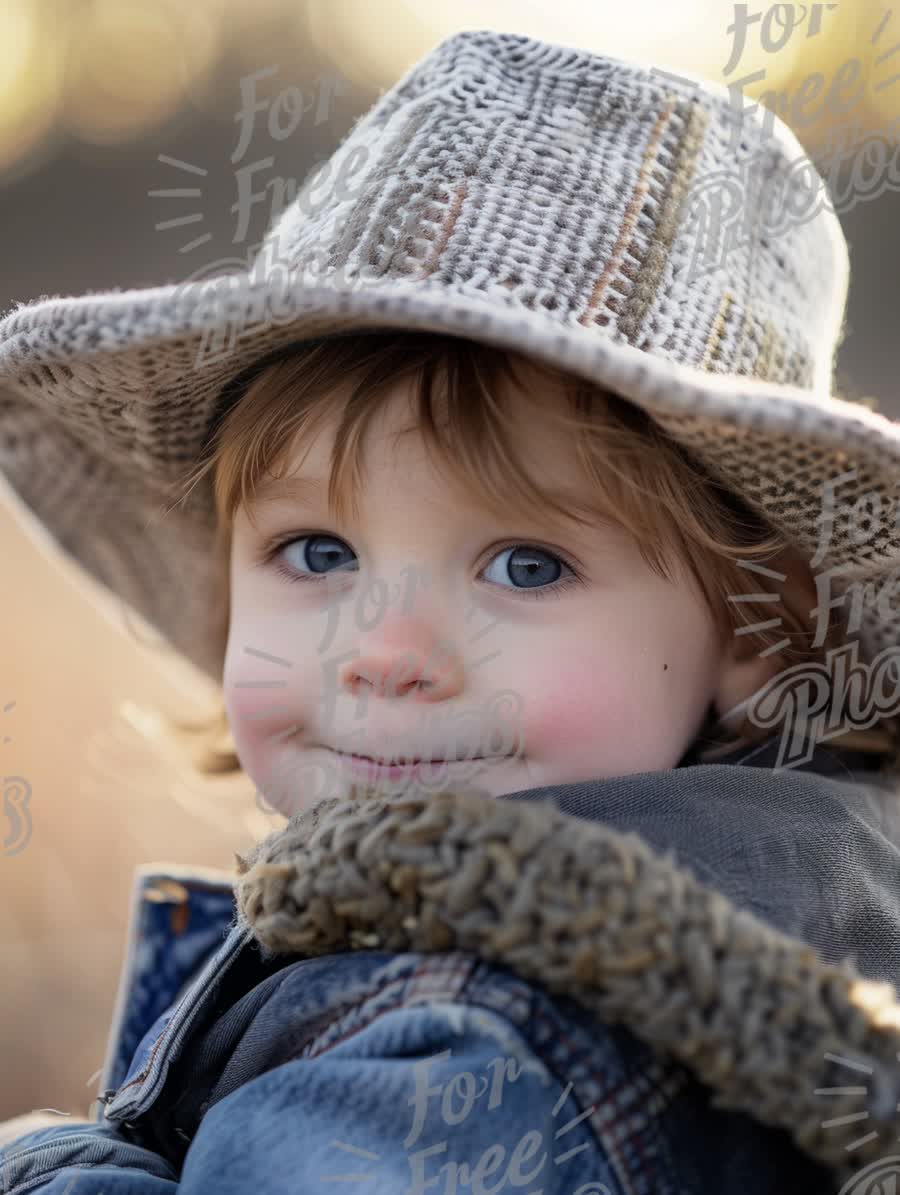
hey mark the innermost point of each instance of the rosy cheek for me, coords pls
(259, 704)
(573, 711)
(245, 703)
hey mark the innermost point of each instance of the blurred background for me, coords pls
(142, 141)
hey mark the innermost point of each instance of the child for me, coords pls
(528, 925)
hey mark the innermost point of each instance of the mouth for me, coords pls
(408, 760)
(375, 768)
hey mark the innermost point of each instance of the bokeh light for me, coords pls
(105, 72)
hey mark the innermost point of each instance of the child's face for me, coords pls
(436, 640)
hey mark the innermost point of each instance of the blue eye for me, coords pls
(528, 567)
(317, 553)
(533, 571)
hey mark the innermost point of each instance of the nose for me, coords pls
(404, 657)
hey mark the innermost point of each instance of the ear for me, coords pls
(741, 673)
(744, 670)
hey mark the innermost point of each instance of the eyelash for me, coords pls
(269, 559)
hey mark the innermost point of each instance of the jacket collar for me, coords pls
(825, 758)
(543, 883)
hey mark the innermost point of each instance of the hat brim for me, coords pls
(106, 400)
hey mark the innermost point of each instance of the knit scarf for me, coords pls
(744, 921)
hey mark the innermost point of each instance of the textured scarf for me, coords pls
(744, 920)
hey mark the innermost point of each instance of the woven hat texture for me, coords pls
(534, 196)
(599, 915)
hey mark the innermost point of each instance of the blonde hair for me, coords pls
(641, 478)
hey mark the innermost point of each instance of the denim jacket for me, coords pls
(236, 1065)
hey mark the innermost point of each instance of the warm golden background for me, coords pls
(104, 104)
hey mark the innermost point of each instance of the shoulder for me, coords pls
(446, 1056)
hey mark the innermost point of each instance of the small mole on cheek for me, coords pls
(665, 666)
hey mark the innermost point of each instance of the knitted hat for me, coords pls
(630, 226)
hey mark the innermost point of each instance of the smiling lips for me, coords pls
(399, 759)
(413, 759)
(374, 769)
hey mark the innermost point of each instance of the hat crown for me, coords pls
(608, 194)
